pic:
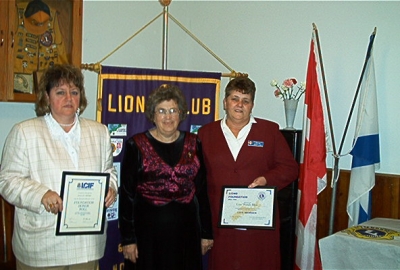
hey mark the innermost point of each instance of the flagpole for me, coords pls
(325, 88)
(358, 89)
(336, 164)
(165, 3)
(333, 200)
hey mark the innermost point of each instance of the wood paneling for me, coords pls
(386, 196)
(385, 201)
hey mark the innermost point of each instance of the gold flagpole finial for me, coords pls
(92, 67)
(165, 2)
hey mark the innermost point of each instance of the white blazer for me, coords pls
(33, 163)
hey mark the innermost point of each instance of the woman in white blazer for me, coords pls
(35, 154)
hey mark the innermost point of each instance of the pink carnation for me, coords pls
(289, 82)
(289, 89)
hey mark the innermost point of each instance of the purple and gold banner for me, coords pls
(122, 94)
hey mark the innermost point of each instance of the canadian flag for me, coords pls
(312, 178)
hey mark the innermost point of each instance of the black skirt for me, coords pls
(168, 236)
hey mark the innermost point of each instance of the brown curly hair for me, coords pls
(55, 76)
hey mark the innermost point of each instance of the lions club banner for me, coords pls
(122, 95)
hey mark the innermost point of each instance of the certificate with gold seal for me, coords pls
(243, 207)
(83, 195)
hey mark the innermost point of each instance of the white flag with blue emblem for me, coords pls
(365, 152)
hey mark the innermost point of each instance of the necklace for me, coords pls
(69, 125)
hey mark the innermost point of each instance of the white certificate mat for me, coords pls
(244, 207)
(83, 195)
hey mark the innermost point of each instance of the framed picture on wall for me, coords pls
(24, 83)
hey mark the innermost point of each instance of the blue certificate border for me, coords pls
(269, 225)
(70, 178)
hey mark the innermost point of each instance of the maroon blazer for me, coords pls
(251, 248)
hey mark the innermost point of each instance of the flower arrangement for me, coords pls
(289, 89)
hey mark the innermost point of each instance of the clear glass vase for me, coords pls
(290, 112)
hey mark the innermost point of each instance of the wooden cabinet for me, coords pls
(6, 45)
(67, 13)
(287, 203)
(7, 258)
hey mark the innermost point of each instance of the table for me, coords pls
(374, 244)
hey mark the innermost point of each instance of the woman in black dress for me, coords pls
(164, 211)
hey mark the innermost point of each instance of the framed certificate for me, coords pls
(243, 207)
(83, 195)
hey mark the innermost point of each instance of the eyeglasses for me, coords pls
(164, 112)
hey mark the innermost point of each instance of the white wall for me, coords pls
(266, 39)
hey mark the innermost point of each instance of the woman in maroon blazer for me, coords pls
(241, 150)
